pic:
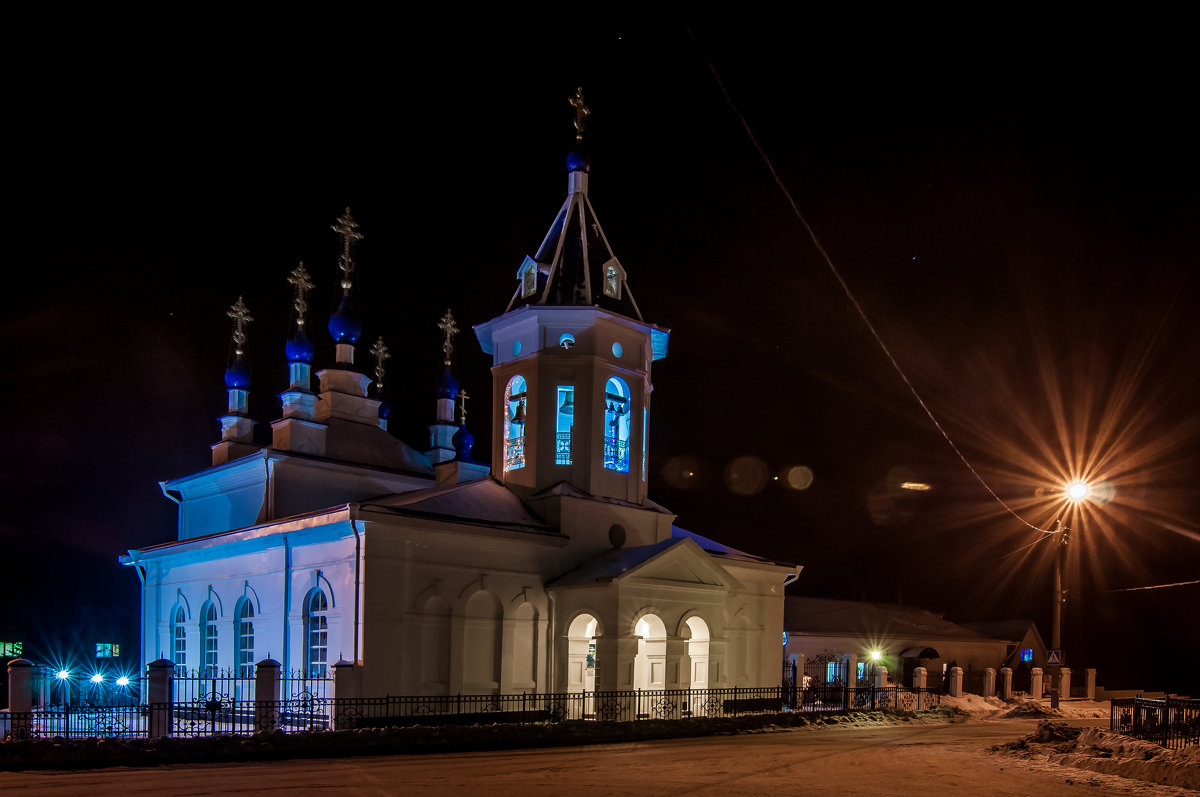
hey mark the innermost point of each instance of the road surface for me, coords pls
(901, 760)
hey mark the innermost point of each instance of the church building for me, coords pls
(549, 571)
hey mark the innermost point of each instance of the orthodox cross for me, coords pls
(462, 406)
(300, 279)
(449, 329)
(347, 230)
(582, 112)
(241, 317)
(381, 353)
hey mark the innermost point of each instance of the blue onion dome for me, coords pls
(385, 409)
(579, 161)
(299, 348)
(463, 440)
(237, 375)
(345, 326)
(447, 385)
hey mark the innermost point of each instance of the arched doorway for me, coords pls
(698, 638)
(650, 665)
(581, 654)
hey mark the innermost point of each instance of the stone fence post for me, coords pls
(266, 695)
(956, 681)
(345, 692)
(918, 678)
(20, 697)
(1035, 683)
(1064, 683)
(1090, 676)
(880, 677)
(989, 682)
(158, 696)
(1006, 684)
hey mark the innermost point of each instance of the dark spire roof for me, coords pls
(575, 264)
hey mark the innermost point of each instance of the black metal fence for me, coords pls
(1171, 722)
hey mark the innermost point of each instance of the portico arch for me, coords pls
(695, 630)
(581, 653)
(650, 664)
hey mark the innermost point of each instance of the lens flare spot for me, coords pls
(746, 475)
(798, 477)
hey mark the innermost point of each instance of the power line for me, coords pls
(846, 288)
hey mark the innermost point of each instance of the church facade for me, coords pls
(549, 571)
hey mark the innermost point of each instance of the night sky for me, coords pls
(1014, 207)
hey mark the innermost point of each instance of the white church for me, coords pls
(550, 571)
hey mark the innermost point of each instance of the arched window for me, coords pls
(565, 423)
(179, 637)
(514, 423)
(613, 276)
(208, 632)
(616, 425)
(316, 634)
(245, 638)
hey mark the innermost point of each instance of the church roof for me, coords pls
(1008, 630)
(826, 616)
(362, 444)
(715, 548)
(484, 501)
(675, 559)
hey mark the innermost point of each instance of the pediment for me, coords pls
(683, 564)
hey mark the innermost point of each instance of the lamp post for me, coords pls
(1075, 492)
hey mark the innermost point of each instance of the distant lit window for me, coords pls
(208, 632)
(317, 634)
(179, 637)
(514, 423)
(1026, 654)
(11, 649)
(245, 636)
(107, 650)
(832, 675)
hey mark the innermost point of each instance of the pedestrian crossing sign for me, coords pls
(1054, 657)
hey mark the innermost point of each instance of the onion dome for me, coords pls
(463, 440)
(237, 375)
(447, 385)
(299, 348)
(345, 326)
(579, 161)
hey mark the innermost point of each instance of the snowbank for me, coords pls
(1098, 750)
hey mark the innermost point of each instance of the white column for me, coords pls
(1090, 675)
(989, 682)
(1035, 683)
(1006, 683)
(918, 680)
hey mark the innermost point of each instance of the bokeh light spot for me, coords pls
(746, 475)
(799, 477)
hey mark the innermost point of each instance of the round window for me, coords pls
(617, 350)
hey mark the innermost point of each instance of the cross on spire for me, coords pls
(449, 329)
(241, 316)
(347, 229)
(381, 353)
(582, 112)
(303, 284)
(462, 406)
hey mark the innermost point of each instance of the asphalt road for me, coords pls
(903, 760)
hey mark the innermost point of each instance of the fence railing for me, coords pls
(1171, 722)
(210, 711)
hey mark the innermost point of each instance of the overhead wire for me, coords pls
(849, 293)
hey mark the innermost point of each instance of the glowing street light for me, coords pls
(62, 675)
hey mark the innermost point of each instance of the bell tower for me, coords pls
(571, 359)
